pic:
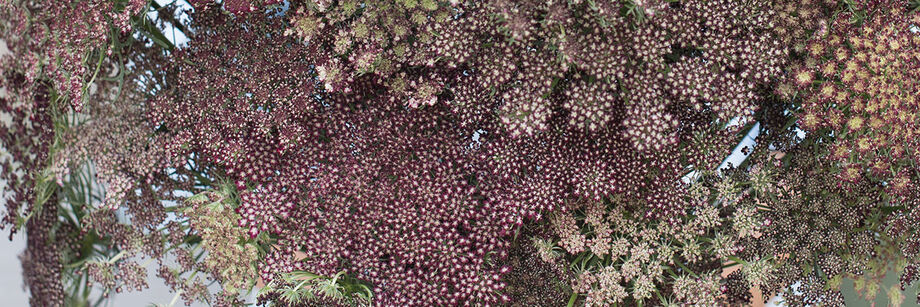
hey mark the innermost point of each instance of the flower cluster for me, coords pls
(26, 138)
(861, 81)
(343, 178)
(27, 141)
(806, 219)
(423, 152)
(388, 40)
(237, 6)
(64, 42)
(857, 78)
(623, 260)
(41, 264)
(231, 263)
(535, 280)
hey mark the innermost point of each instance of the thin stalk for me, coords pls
(572, 299)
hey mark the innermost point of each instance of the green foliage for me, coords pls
(301, 287)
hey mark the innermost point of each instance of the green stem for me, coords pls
(96, 71)
(175, 298)
(117, 257)
(572, 299)
(682, 266)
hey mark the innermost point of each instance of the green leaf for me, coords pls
(736, 259)
(148, 28)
